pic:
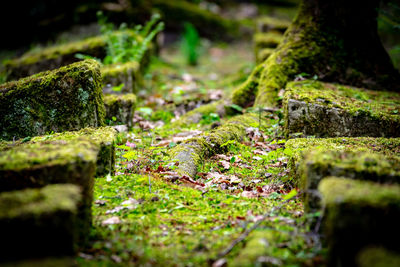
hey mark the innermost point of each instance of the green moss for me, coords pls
(34, 202)
(127, 74)
(120, 108)
(267, 40)
(245, 94)
(68, 98)
(268, 23)
(263, 54)
(192, 152)
(377, 104)
(358, 214)
(48, 214)
(58, 56)
(378, 257)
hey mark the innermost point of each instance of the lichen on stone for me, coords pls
(120, 108)
(128, 74)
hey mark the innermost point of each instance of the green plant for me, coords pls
(190, 44)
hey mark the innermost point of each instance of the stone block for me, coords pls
(120, 108)
(128, 74)
(69, 98)
(267, 24)
(40, 222)
(319, 109)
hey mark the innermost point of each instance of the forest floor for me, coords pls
(241, 206)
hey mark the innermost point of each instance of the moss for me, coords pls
(378, 257)
(68, 98)
(48, 214)
(268, 23)
(58, 56)
(267, 40)
(245, 94)
(263, 54)
(192, 152)
(358, 214)
(323, 109)
(117, 74)
(103, 138)
(120, 108)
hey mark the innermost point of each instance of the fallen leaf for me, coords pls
(112, 220)
(225, 164)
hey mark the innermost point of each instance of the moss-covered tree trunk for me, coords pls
(336, 40)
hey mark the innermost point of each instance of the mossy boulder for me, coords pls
(268, 24)
(328, 110)
(312, 159)
(358, 214)
(128, 74)
(40, 222)
(57, 56)
(102, 138)
(120, 108)
(69, 98)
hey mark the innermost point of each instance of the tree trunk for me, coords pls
(336, 40)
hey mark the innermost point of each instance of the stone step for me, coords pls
(319, 109)
(69, 98)
(128, 74)
(266, 40)
(263, 54)
(362, 158)
(120, 109)
(268, 24)
(59, 149)
(59, 55)
(358, 214)
(40, 222)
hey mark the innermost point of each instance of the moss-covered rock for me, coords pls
(192, 152)
(378, 257)
(120, 108)
(40, 222)
(57, 56)
(268, 23)
(266, 40)
(103, 138)
(127, 74)
(329, 110)
(69, 98)
(358, 214)
(374, 159)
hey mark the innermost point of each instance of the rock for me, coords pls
(267, 24)
(128, 74)
(120, 109)
(358, 214)
(69, 98)
(328, 110)
(263, 54)
(40, 222)
(266, 40)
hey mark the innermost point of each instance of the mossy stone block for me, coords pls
(128, 74)
(120, 108)
(358, 214)
(328, 110)
(102, 138)
(263, 54)
(69, 98)
(268, 23)
(378, 257)
(266, 40)
(56, 56)
(40, 222)
(362, 158)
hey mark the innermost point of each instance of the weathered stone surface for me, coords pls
(40, 222)
(128, 74)
(120, 108)
(358, 214)
(69, 98)
(102, 138)
(267, 24)
(327, 110)
(312, 159)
